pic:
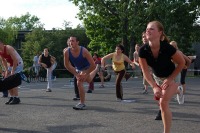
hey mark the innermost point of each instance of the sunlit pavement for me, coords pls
(51, 112)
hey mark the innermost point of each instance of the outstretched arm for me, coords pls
(129, 61)
(108, 56)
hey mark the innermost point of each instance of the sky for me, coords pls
(52, 13)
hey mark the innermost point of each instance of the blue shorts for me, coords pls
(85, 68)
(18, 69)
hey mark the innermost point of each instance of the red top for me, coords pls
(6, 57)
(97, 61)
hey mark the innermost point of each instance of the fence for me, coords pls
(63, 73)
(33, 75)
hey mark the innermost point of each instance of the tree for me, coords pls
(7, 34)
(108, 22)
(24, 22)
(12, 25)
(102, 22)
(178, 18)
(54, 40)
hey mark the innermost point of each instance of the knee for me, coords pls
(89, 79)
(79, 84)
(164, 105)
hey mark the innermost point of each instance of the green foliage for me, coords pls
(104, 34)
(7, 34)
(109, 22)
(178, 18)
(10, 27)
(36, 38)
(54, 40)
(24, 22)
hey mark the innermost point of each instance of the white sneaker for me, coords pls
(183, 99)
(119, 99)
(80, 106)
(48, 90)
(180, 97)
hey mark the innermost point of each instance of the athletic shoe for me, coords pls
(145, 92)
(101, 86)
(159, 116)
(53, 78)
(194, 58)
(76, 98)
(23, 77)
(119, 99)
(11, 98)
(180, 97)
(80, 106)
(15, 100)
(48, 90)
(89, 91)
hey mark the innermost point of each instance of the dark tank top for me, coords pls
(46, 60)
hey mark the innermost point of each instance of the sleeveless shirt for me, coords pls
(6, 57)
(46, 60)
(118, 65)
(80, 62)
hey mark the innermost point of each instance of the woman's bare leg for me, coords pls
(164, 105)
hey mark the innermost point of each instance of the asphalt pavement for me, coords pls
(52, 112)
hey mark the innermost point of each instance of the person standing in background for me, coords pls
(97, 61)
(136, 62)
(145, 83)
(182, 76)
(36, 65)
(47, 61)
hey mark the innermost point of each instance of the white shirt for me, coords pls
(35, 61)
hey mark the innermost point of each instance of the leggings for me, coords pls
(76, 88)
(49, 75)
(119, 89)
(183, 75)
